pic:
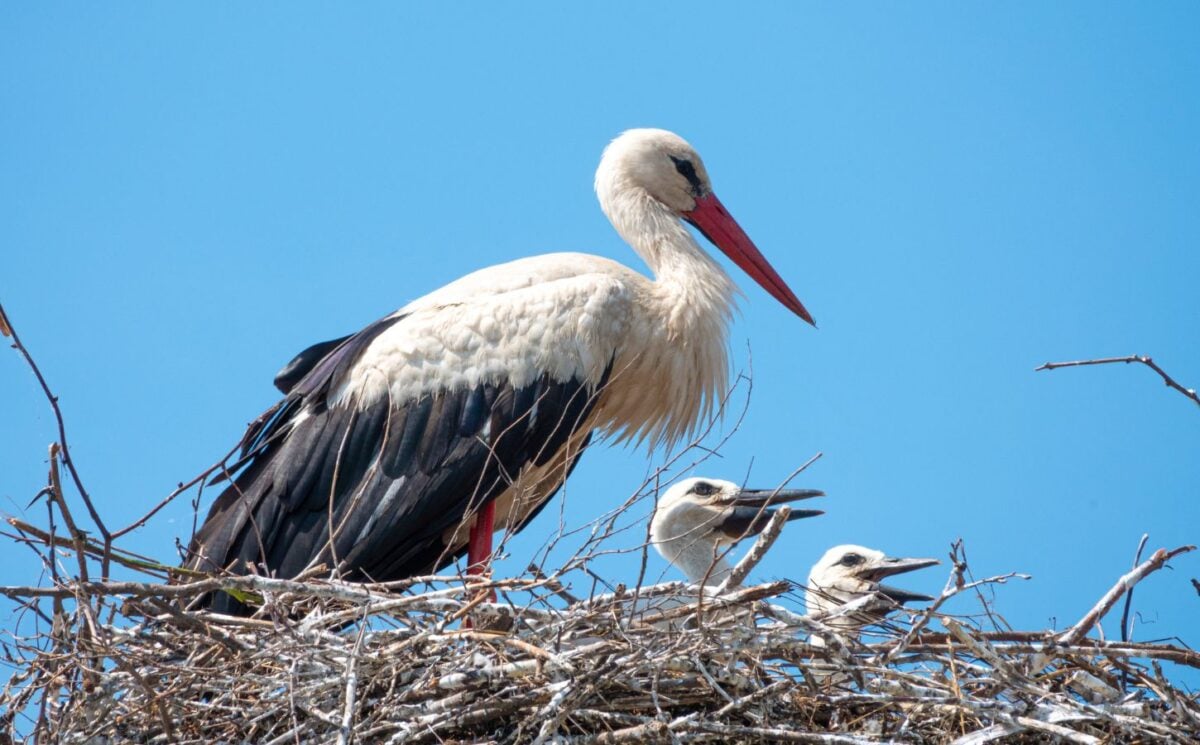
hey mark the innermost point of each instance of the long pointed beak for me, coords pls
(751, 513)
(767, 497)
(711, 218)
(889, 566)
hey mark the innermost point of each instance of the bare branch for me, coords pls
(91, 547)
(1147, 361)
(68, 461)
(1124, 585)
(1126, 631)
(1126, 628)
(180, 489)
(762, 545)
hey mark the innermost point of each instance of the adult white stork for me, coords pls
(697, 520)
(401, 447)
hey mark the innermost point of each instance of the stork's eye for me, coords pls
(687, 169)
(704, 489)
(851, 560)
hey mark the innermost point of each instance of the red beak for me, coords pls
(712, 219)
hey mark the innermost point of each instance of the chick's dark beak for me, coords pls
(751, 509)
(889, 566)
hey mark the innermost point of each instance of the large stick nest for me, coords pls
(326, 661)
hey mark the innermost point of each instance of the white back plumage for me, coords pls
(571, 314)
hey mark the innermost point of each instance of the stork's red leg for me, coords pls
(479, 545)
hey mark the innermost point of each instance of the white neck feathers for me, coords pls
(683, 368)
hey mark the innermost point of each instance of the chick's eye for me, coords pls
(851, 560)
(703, 489)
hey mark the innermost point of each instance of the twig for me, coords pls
(766, 539)
(180, 489)
(1147, 361)
(555, 586)
(56, 494)
(68, 461)
(1126, 630)
(345, 729)
(1123, 585)
(90, 547)
(954, 585)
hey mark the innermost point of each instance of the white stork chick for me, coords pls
(848, 573)
(697, 520)
(402, 447)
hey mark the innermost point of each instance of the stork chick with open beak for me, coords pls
(847, 573)
(698, 519)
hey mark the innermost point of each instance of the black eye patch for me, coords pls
(687, 169)
(703, 489)
(851, 560)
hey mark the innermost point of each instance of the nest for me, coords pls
(520, 660)
(461, 659)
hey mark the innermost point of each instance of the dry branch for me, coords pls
(762, 545)
(1123, 585)
(67, 460)
(1147, 361)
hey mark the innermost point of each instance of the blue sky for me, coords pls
(191, 194)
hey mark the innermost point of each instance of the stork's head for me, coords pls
(847, 573)
(697, 518)
(661, 163)
(656, 167)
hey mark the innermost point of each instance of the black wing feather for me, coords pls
(387, 481)
(303, 363)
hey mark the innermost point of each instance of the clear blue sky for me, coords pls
(191, 194)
